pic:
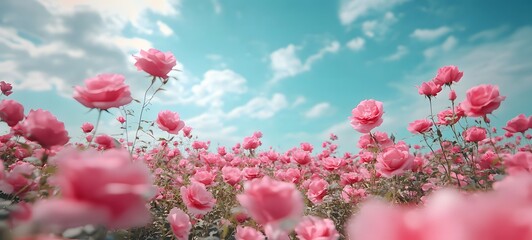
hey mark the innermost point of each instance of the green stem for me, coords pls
(140, 115)
(96, 127)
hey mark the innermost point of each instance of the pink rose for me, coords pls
(106, 142)
(186, 131)
(169, 121)
(251, 143)
(517, 124)
(19, 179)
(448, 117)
(394, 160)
(350, 194)
(251, 172)
(367, 115)
(100, 188)
(197, 199)
(103, 92)
(42, 127)
(332, 163)
(248, 233)
(420, 126)
(518, 163)
(317, 190)
(429, 89)
(311, 228)
(11, 112)
(231, 175)
(474, 134)
(180, 223)
(452, 95)
(6, 88)
(448, 75)
(204, 177)
(87, 127)
(155, 62)
(482, 100)
(301, 157)
(366, 141)
(261, 198)
(121, 119)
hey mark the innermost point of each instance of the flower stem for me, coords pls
(144, 104)
(96, 127)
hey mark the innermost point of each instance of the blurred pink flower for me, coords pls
(248, 233)
(180, 223)
(261, 198)
(312, 228)
(87, 127)
(42, 127)
(517, 124)
(11, 112)
(6, 88)
(100, 188)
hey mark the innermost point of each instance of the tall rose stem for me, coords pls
(140, 115)
(96, 127)
(438, 133)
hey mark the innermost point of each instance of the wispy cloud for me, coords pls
(285, 63)
(351, 10)
(318, 110)
(400, 52)
(217, 6)
(446, 46)
(356, 44)
(379, 27)
(430, 34)
(260, 107)
(165, 29)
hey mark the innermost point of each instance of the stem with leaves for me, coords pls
(144, 104)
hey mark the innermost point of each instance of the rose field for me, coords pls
(469, 180)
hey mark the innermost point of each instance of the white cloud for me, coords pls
(489, 34)
(10, 38)
(115, 12)
(430, 34)
(446, 46)
(285, 63)
(299, 100)
(378, 28)
(165, 29)
(356, 44)
(210, 125)
(399, 53)
(351, 10)
(217, 6)
(260, 107)
(318, 110)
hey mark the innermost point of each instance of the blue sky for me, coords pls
(291, 69)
